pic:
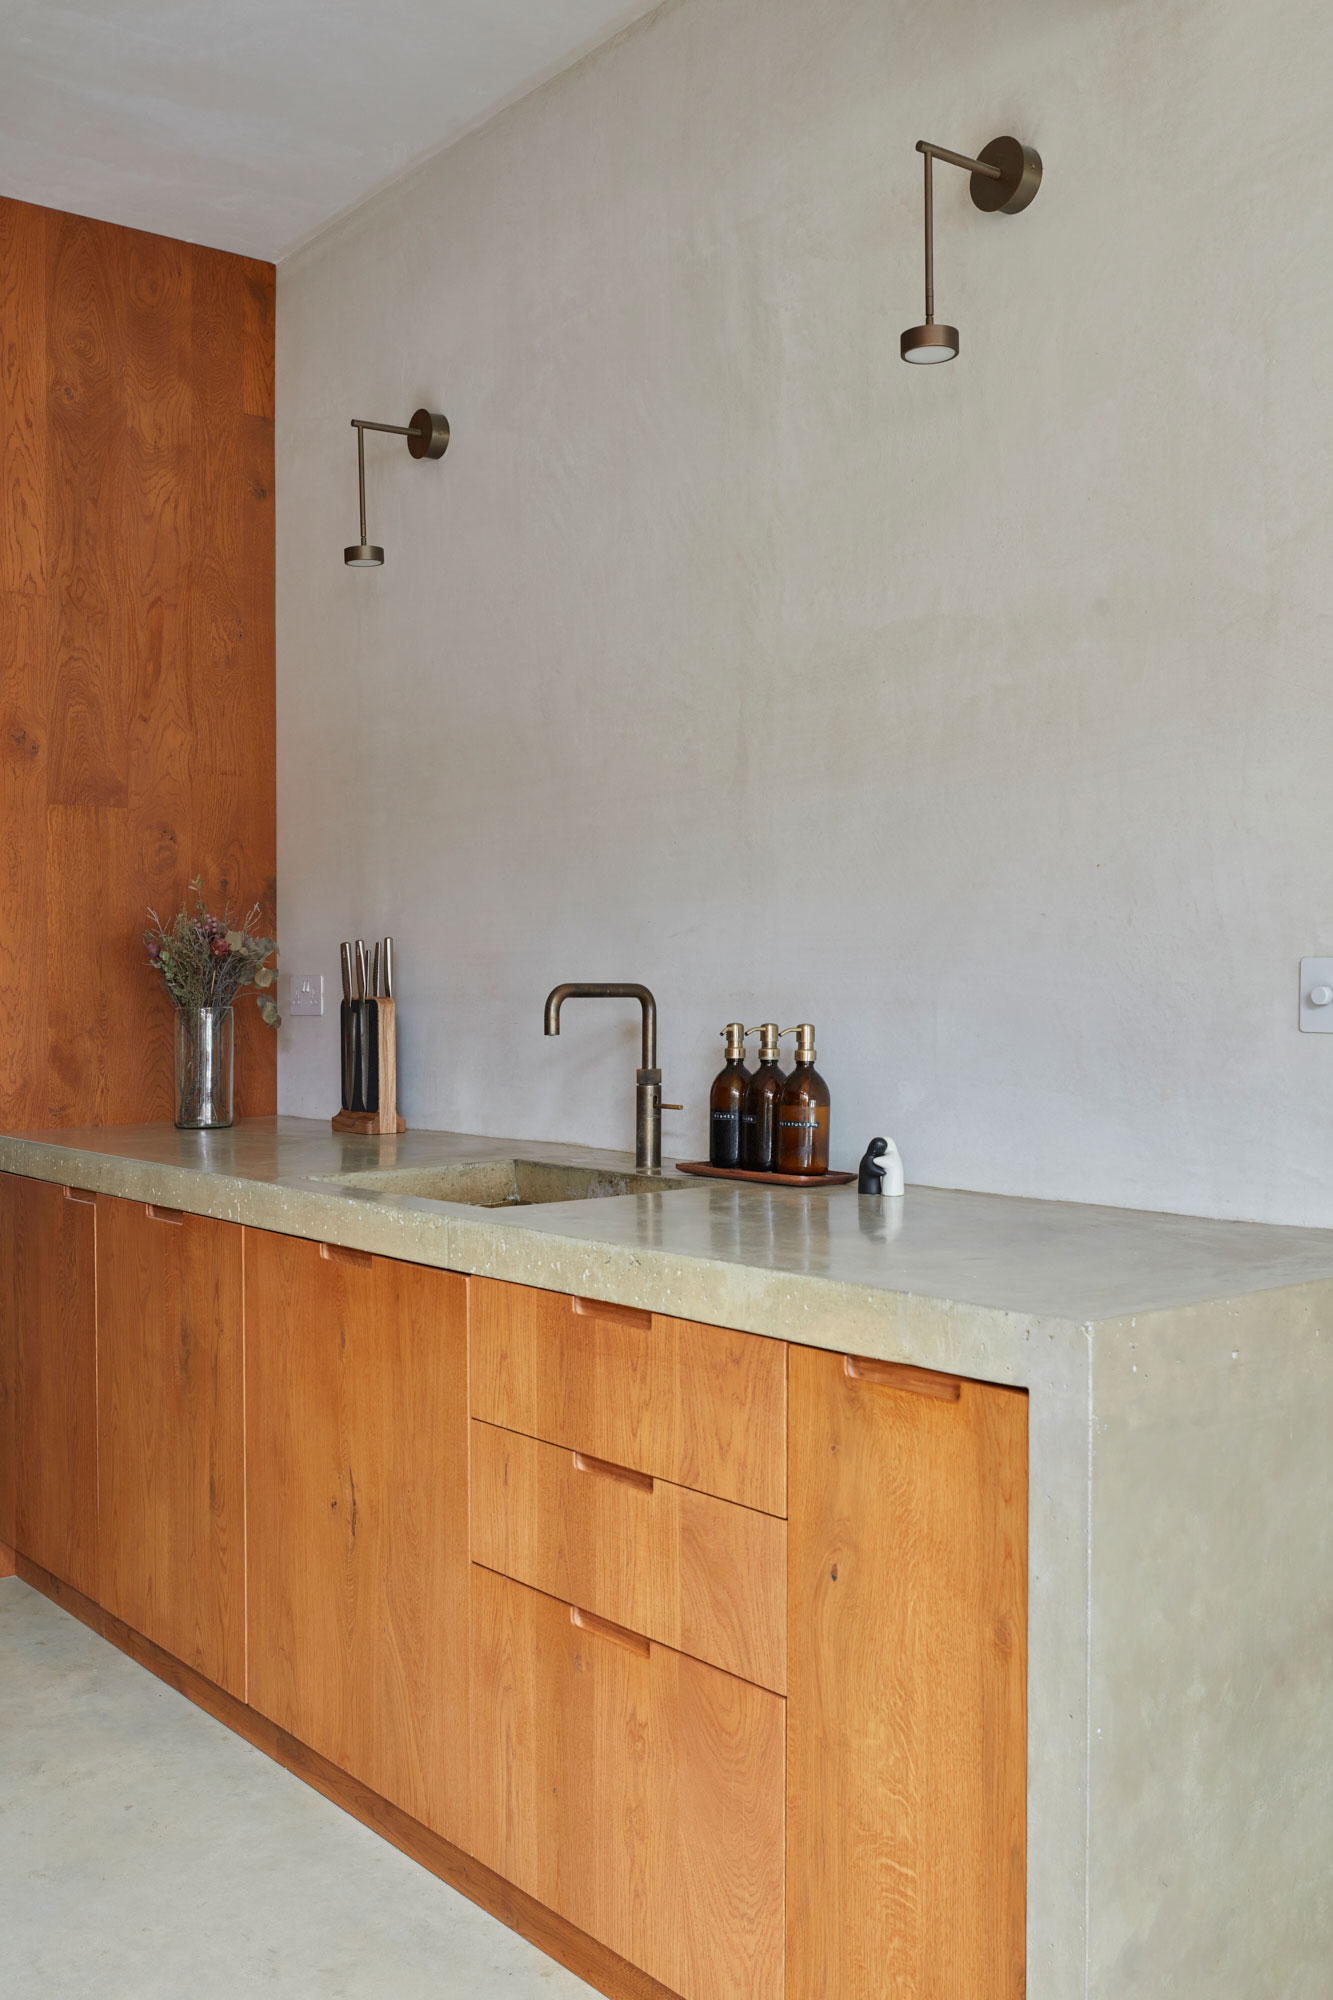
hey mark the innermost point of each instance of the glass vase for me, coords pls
(205, 1043)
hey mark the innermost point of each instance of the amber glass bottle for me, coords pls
(727, 1101)
(803, 1112)
(760, 1117)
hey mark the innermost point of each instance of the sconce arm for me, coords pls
(959, 160)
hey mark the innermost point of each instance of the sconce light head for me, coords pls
(427, 437)
(929, 343)
(1004, 179)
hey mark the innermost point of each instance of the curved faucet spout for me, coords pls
(648, 1082)
(576, 990)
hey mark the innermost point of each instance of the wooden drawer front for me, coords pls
(635, 1791)
(698, 1405)
(697, 1573)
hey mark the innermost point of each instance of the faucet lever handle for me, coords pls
(671, 1107)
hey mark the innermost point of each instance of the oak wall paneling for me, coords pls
(136, 647)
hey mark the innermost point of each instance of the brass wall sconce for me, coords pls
(1004, 180)
(427, 437)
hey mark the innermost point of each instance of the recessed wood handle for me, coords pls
(623, 1315)
(619, 1635)
(336, 1253)
(899, 1375)
(641, 1481)
(83, 1195)
(156, 1214)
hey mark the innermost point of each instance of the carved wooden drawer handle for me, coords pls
(82, 1195)
(899, 1375)
(334, 1253)
(622, 1315)
(156, 1214)
(641, 1481)
(619, 1635)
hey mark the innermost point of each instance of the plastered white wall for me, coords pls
(980, 714)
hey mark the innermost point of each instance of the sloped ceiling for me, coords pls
(247, 124)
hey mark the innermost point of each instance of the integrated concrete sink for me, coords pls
(506, 1183)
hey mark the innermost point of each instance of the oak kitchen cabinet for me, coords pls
(48, 1378)
(170, 1432)
(699, 1656)
(907, 1739)
(633, 1785)
(356, 1482)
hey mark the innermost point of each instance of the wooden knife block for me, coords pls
(385, 1118)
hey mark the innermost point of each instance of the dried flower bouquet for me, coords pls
(208, 962)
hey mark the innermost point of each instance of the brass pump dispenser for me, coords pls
(759, 1147)
(803, 1112)
(727, 1101)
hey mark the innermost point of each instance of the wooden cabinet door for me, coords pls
(906, 1844)
(170, 1430)
(356, 1475)
(8, 1369)
(48, 1300)
(635, 1791)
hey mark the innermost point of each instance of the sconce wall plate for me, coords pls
(1019, 169)
(427, 437)
(1005, 177)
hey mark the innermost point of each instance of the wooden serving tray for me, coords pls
(763, 1180)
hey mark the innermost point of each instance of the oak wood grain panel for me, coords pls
(8, 1560)
(24, 662)
(700, 1574)
(48, 1282)
(90, 1010)
(585, 1956)
(158, 532)
(698, 1405)
(356, 1477)
(257, 319)
(170, 1430)
(88, 761)
(907, 1740)
(23, 437)
(23, 858)
(136, 646)
(231, 614)
(637, 1792)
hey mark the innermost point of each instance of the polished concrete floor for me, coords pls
(146, 1853)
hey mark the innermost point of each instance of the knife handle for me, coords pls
(345, 955)
(388, 968)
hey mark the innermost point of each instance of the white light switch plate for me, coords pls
(1316, 979)
(307, 994)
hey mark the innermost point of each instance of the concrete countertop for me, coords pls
(944, 1278)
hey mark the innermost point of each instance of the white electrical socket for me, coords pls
(307, 993)
(1317, 996)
